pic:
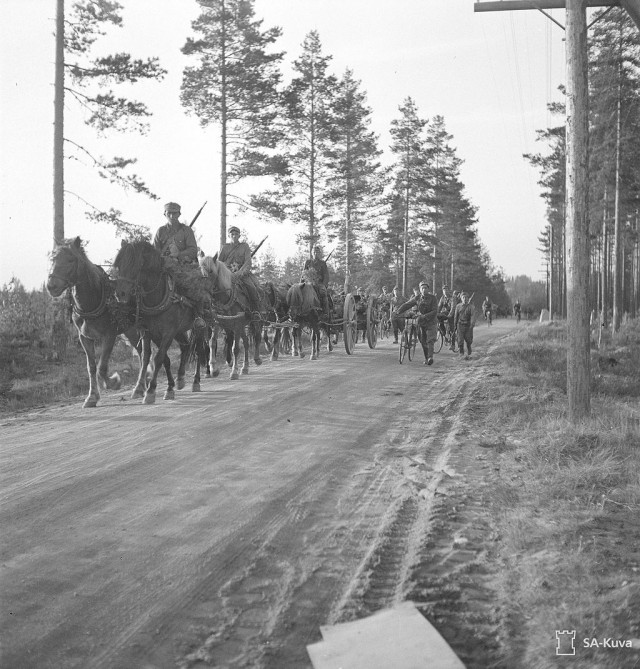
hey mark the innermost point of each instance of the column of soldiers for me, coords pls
(452, 312)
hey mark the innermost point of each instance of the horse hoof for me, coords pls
(181, 384)
(90, 403)
(138, 393)
(169, 394)
(149, 398)
(195, 388)
(258, 361)
(215, 374)
(296, 354)
(115, 382)
(273, 357)
(234, 376)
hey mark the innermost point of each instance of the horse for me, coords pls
(94, 314)
(239, 323)
(277, 310)
(304, 309)
(163, 313)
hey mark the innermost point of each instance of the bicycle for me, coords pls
(409, 339)
(441, 339)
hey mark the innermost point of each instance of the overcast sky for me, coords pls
(490, 75)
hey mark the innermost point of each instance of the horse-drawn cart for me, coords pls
(368, 317)
(344, 320)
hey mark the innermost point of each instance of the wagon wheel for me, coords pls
(372, 323)
(349, 323)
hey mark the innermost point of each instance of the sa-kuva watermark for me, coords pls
(565, 642)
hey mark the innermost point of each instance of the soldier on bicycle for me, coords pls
(444, 308)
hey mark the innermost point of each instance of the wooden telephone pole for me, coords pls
(577, 223)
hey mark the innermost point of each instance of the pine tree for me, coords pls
(235, 85)
(355, 183)
(89, 81)
(410, 180)
(308, 102)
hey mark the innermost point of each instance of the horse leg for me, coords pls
(265, 339)
(141, 383)
(246, 345)
(315, 342)
(90, 352)
(161, 358)
(234, 376)
(113, 382)
(200, 359)
(276, 344)
(183, 343)
(298, 334)
(229, 347)
(257, 331)
(213, 352)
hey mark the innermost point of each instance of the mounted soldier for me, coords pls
(177, 245)
(319, 271)
(175, 241)
(236, 255)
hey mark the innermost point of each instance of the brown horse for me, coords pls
(95, 314)
(233, 314)
(164, 315)
(305, 311)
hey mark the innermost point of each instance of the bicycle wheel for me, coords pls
(437, 345)
(404, 344)
(412, 340)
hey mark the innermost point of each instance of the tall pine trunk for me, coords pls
(223, 131)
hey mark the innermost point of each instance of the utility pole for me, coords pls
(577, 223)
(58, 130)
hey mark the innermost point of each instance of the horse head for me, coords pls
(137, 265)
(67, 261)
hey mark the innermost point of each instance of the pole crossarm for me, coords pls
(511, 5)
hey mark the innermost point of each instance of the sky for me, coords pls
(490, 75)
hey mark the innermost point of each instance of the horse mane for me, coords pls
(95, 274)
(133, 256)
(220, 274)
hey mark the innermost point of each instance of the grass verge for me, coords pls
(566, 501)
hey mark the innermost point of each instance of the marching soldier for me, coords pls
(464, 321)
(427, 305)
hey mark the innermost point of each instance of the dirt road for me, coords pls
(223, 528)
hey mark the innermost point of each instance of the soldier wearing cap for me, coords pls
(319, 266)
(176, 241)
(236, 255)
(464, 321)
(427, 305)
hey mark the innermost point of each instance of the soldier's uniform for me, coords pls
(320, 277)
(464, 320)
(427, 305)
(176, 240)
(177, 245)
(444, 308)
(236, 256)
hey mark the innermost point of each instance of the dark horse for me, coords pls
(236, 317)
(95, 315)
(305, 310)
(277, 310)
(164, 314)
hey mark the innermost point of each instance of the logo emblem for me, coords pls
(564, 641)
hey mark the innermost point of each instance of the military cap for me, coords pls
(234, 228)
(424, 283)
(171, 206)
